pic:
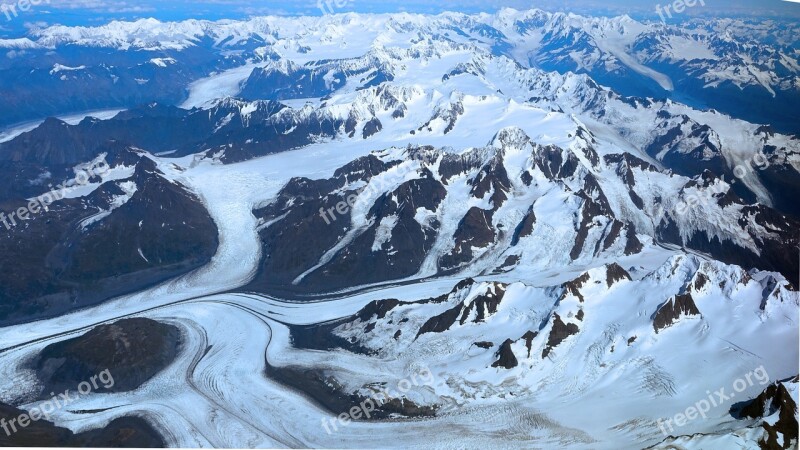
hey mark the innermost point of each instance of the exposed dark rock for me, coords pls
(628, 160)
(573, 287)
(778, 251)
(225, 127)
(311, 216)
(525, 228)
(474, 230)
(56, 263)
(482, 306)
(372, 127)
(132, 351)
(294, 81)
(690, 147)
(558, 334)
(328, 392)
(492, 178)
(782, 181)
(506, 358)
(590, 210)
(322, 336)
(378, 309)
(775, 398)
(107, 81)
(453, 165)
(614, 273)
(672, 310)
(510, 262)
(554, 162)
(484, 344)
(613, 234)
(442, 322)
(700, 280)
(634, 245)
(124, 432)
(529, 337)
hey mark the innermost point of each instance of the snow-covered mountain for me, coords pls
(734, 66)
(525, 226)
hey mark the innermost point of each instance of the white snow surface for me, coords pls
(594, 390)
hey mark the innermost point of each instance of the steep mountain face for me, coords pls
(420, 212)
(556, 342)
(523, 229)
(233, 130)
(127, 234)
(772, 418)
(284, 79)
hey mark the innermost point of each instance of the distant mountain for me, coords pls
(519, 229)
(734, 66)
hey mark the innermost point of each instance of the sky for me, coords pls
(95, 12)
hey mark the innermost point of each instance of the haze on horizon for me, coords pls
(95, 12)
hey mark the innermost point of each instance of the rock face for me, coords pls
(780, 433)
(130, 351)
(476, 311)
(673, 309)
(125, 236)
(234, 129)
(614, 273)
(329, 393)
(401, 213)
(474, 230)
(694, 230)
(124, 432)
(390, 243)
(558, 334)
(506, 358)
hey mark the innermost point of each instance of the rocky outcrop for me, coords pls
(614, 273)
(125, 236)
(479, 309)
(672, 310)
(310, 217)
(125, 354)
(474, 230)
(505, 355)
(780, 434)
(558, 333)
(234, 129)
(123, 432)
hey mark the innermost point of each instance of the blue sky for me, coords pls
(92, 12)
